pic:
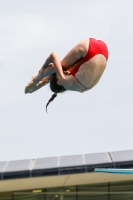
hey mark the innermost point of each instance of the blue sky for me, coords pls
(99, 120)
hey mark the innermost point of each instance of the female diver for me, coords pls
(80, 70)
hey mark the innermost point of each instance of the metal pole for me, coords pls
(108, 191)
(76, 192)
(61, 195)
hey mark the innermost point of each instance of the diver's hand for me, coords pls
(67, 72)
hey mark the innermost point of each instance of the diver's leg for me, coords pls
(75, 54)
(41, 83)
(43, 72)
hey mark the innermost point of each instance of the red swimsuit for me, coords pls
(78, 78)
(95, 47)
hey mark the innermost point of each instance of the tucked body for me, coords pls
(80, 70)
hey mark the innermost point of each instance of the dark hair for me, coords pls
(54, 88)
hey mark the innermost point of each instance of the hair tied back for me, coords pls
(51, 99)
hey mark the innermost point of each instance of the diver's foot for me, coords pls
(31, 85)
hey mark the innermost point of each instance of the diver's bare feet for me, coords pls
(31, 85)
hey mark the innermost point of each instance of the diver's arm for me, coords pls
(52, 65)
(58, 66)
(44, 72)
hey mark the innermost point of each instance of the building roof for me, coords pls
(63, 171)
(73, 164)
